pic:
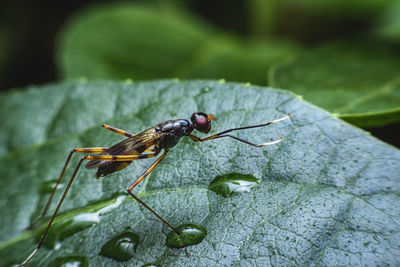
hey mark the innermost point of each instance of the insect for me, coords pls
(144, 145)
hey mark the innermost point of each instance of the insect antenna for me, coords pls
(224, 134)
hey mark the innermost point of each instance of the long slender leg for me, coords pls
(147, 172)
(55, 213)
(118, 131)
(140, 179)
(223, 133)
(75, 150)
(88, 157)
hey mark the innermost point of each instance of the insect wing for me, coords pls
(132, 146)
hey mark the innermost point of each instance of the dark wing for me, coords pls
(132, 146)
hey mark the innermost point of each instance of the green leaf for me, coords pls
(262, 16)
(128, 41)
(52, 111)
(328, 194)
(388, 25)
(360, 83)
(234, 61)
(137, 42)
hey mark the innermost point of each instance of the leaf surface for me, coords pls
(359, 83)
(328, 194)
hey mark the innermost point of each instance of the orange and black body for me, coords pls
(164, 135)
(146, 144)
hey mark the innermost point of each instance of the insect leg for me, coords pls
(140, 179)
(55, 212)
(223, 133)
(75, 150)
(148, 171)
(118, 131)
(88, 157)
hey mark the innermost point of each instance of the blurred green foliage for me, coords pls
(131, 41)
(330, 52)
(355, 81)
(388, 25)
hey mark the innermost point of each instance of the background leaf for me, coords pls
(138, 42)
(388, 25)
(129, 41)
(359, 83)
(327, 195)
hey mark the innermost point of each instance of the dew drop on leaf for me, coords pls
(122, 247)
(226, 185)
(192, 234)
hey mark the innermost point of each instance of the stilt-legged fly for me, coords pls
(144, 145)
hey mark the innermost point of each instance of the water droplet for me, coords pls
(70, 261)
(192, 234)
(122, 247)
(149, 265)
(70, 225)
(228, 184)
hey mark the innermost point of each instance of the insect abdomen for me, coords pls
(111, 167)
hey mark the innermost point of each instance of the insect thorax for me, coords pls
(174, 130)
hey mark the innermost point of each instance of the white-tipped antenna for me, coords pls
(271, 143)
(281, 119)
(280, 139)
(29, 257)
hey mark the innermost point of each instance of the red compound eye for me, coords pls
(202, 124)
